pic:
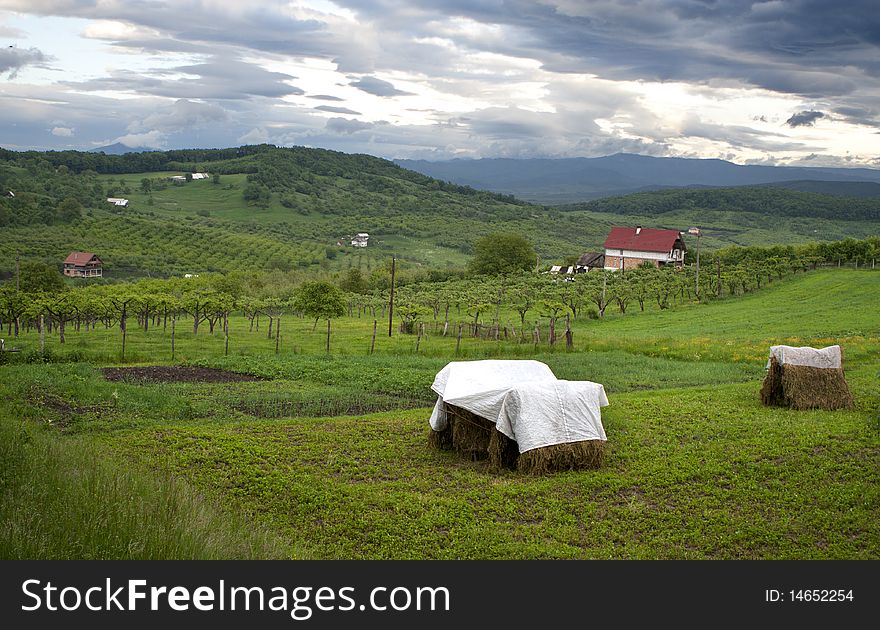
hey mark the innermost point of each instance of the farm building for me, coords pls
(196, 176)
(590, 261)
(360, 239)
(117, 201)
(83, 265)
(630, 247)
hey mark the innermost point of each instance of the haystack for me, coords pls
(519, 416)
(806, 378)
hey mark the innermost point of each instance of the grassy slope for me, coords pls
(698, 468)
(421, 223)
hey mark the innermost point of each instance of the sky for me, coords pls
(783, 82)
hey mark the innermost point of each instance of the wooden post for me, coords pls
(173, 326)
(718, 288)
(328, 335)
(225, 334)
(42, 335)
(391, 300)
(458, 340)
(569, 342)
(419, 338)
(373, 340)
(552, 331)
(277, 332)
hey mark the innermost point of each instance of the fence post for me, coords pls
(458, 340)
(569, 342)
(373, 340)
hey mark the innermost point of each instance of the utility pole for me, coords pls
(696, 232)
(17, 271)
(391, 300)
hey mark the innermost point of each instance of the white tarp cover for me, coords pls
(524, 399)
(829, 357)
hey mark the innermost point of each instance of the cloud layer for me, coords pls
(772, 81)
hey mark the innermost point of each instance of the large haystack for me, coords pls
(806, 378)
(518, 415)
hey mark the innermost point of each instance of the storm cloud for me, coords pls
(804, 119)
(13, 59)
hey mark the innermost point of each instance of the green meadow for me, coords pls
(326, 456)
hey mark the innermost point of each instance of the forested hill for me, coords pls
(277, 168)
(762, 200)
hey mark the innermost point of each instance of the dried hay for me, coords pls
(503, 452)
(803, 387)
(584, 455)
(470, 432)
(441, 440)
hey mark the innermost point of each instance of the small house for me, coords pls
(116, 201)
(196, 176)
(9, 193)
(178, 179)
(360, 239)
(630, 247)
(83, 265)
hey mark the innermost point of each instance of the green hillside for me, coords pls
(288, 208)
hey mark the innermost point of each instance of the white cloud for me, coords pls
(257, 135)
(62, 132)
(152, 139)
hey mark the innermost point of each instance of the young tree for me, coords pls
(320, 300)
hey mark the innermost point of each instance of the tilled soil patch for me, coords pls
(176, 374)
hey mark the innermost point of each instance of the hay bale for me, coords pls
(503, 452)
(804, 387)
(584, 455)
(470, 432)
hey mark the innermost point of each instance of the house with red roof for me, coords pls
(630, 247)
(83, 265)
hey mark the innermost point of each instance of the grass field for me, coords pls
(328, 458)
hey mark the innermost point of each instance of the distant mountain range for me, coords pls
(119, 149)
(566, 180)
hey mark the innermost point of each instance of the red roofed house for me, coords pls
(629, 247)
(83, 265)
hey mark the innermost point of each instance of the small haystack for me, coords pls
(806, 378)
